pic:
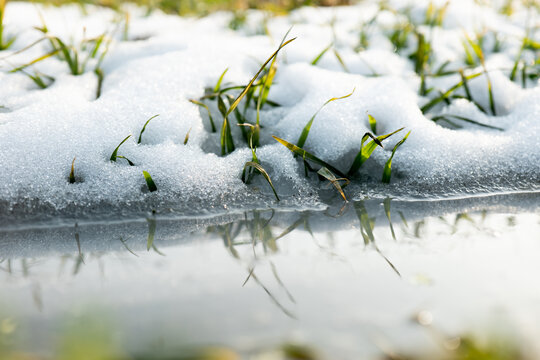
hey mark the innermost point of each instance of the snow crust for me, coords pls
(167, 60)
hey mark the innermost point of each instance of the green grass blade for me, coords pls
(387, 172)
(321, 54)
(444, 117)
(366, 151)
(227, 143)
(308, 156)
(372, 124)
(518, 58)
(72, 172)
(328, 175)
(149, 181)
(220, 80)
(248, 86)
(446, 94)
(43, 57)
(144, 128)
(100, 76)
(305, 132)
(203, 105)
(269, 79)
(222, 107)
(114, 155)
(186, 139)
(125, 158)
(341, 62)
(261, 170)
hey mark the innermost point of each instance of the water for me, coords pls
(342, 281)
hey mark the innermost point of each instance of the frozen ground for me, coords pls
(158, 62)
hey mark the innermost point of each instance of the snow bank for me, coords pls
(167, 60)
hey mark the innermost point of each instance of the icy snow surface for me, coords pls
(167, 60)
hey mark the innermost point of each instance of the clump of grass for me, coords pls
(448, 93)
(480, 55)
(421, 60)
(435, 15)
(115, 156)
(4, 43)
(226, 140)
(400, 36)
(366, 150)
(149, 181)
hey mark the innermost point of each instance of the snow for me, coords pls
(168, 60)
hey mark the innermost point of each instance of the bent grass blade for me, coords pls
(366, 151)
(387, 172)
(220, 80)
(144, 128)
(321, 54)
(114, 155)
(203, 105)
(328, 175)
(308, 156)
(305, 132)
(261, 170)
(448, 92)
(248, 86)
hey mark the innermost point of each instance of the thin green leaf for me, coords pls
(308, 156)
(149, 182)
(305, 132)
(125, 158)
(444, 117)
(446, 94)
(341, 62)
(261, 170)
(366, 151)
(226, 140)
(43, 57)
(201, 104)
(372, 124)
(387, 172)
(328, 175)
(144, 128)
(100, 76)
(321, 54)
(220, 80)
(114, 155)
(186, 139)
(246, 89)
